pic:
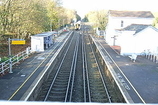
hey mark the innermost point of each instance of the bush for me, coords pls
(4, 59)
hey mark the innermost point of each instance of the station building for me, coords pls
(42, 41)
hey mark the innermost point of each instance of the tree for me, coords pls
(85, 19)
(77, 16)
(98, 18)
(22, 18)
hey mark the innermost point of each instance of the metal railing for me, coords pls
(7, 65)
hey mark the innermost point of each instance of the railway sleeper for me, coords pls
(101, 91)
(64, 73)
(94, 76)
(95, 81)
(62, 78)
(100, 100)
(57, 92)
(99, 95)
(59, 89)
(56, 98)
(56, 95)
(59, 86)
(61, 83)
(98, 88)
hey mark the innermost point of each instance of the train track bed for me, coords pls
(98, 89)
(58, 84)
(78, 76)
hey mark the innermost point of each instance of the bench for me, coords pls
(133, 57)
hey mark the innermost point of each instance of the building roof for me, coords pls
(141, 14)
(135, 27)
(44, 34)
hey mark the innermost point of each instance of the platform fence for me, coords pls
(7, 65)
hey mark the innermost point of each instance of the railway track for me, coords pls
(60, 83)
(122, 77)
(77, 77)
(41, 60)
(97, 87)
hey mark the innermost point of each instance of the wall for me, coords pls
(115, 23)
(146, 40)
(37, 44)
(126, 41)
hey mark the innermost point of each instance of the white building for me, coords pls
(138, 39)
(42, 41)
(121, 19)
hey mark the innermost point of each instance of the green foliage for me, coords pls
(22, 18)
(97, 18)
(85, 19)
(4, 59)
(155, 22)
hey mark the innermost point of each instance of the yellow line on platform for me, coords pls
(28, 78)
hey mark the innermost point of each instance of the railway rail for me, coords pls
(41, 60)
(77, 77)
(98, 89)
(81, 70)
(59, 84)
(120, 75)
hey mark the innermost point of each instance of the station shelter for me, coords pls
(42, 41)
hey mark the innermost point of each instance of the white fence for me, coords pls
(7, 65)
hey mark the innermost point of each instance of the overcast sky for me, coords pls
(84, 6)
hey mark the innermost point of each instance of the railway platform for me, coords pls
(14, 85)
(140, 76)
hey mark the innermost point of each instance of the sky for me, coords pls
(84, 6)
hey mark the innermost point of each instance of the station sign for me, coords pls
(18, 41)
